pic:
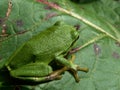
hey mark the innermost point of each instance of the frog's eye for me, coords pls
(77, 26)
(74, 34)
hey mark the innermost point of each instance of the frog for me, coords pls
(31, 61)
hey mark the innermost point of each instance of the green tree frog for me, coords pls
(31, 61)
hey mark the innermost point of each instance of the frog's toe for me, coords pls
(75, 68)
(74, 74)
(82, 69)
(74, 71)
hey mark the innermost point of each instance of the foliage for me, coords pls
(98, 23)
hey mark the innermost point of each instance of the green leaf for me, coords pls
(99, 42)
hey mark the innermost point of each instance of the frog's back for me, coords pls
(51, 41)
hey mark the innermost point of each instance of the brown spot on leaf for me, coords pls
(49, 7)
(21, 32)
(19, 23)
(4, 31)
(97, 49)
(4, 27)
(51, 4)
(50, 15)
(117, 43)
(116, 55)
(4, 34)
(1, 21)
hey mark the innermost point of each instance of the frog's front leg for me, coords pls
(73, 68)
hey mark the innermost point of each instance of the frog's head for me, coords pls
(68, 32)
(68, 29)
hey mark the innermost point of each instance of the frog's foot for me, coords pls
(72, 68)
(75, 68)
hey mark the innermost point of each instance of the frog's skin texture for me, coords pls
(31, 60)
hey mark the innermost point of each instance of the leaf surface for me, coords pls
(99, 43)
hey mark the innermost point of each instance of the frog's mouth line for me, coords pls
(74, 41)
(69, 49)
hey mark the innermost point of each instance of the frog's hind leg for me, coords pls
(37, 72)
(33, 72)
